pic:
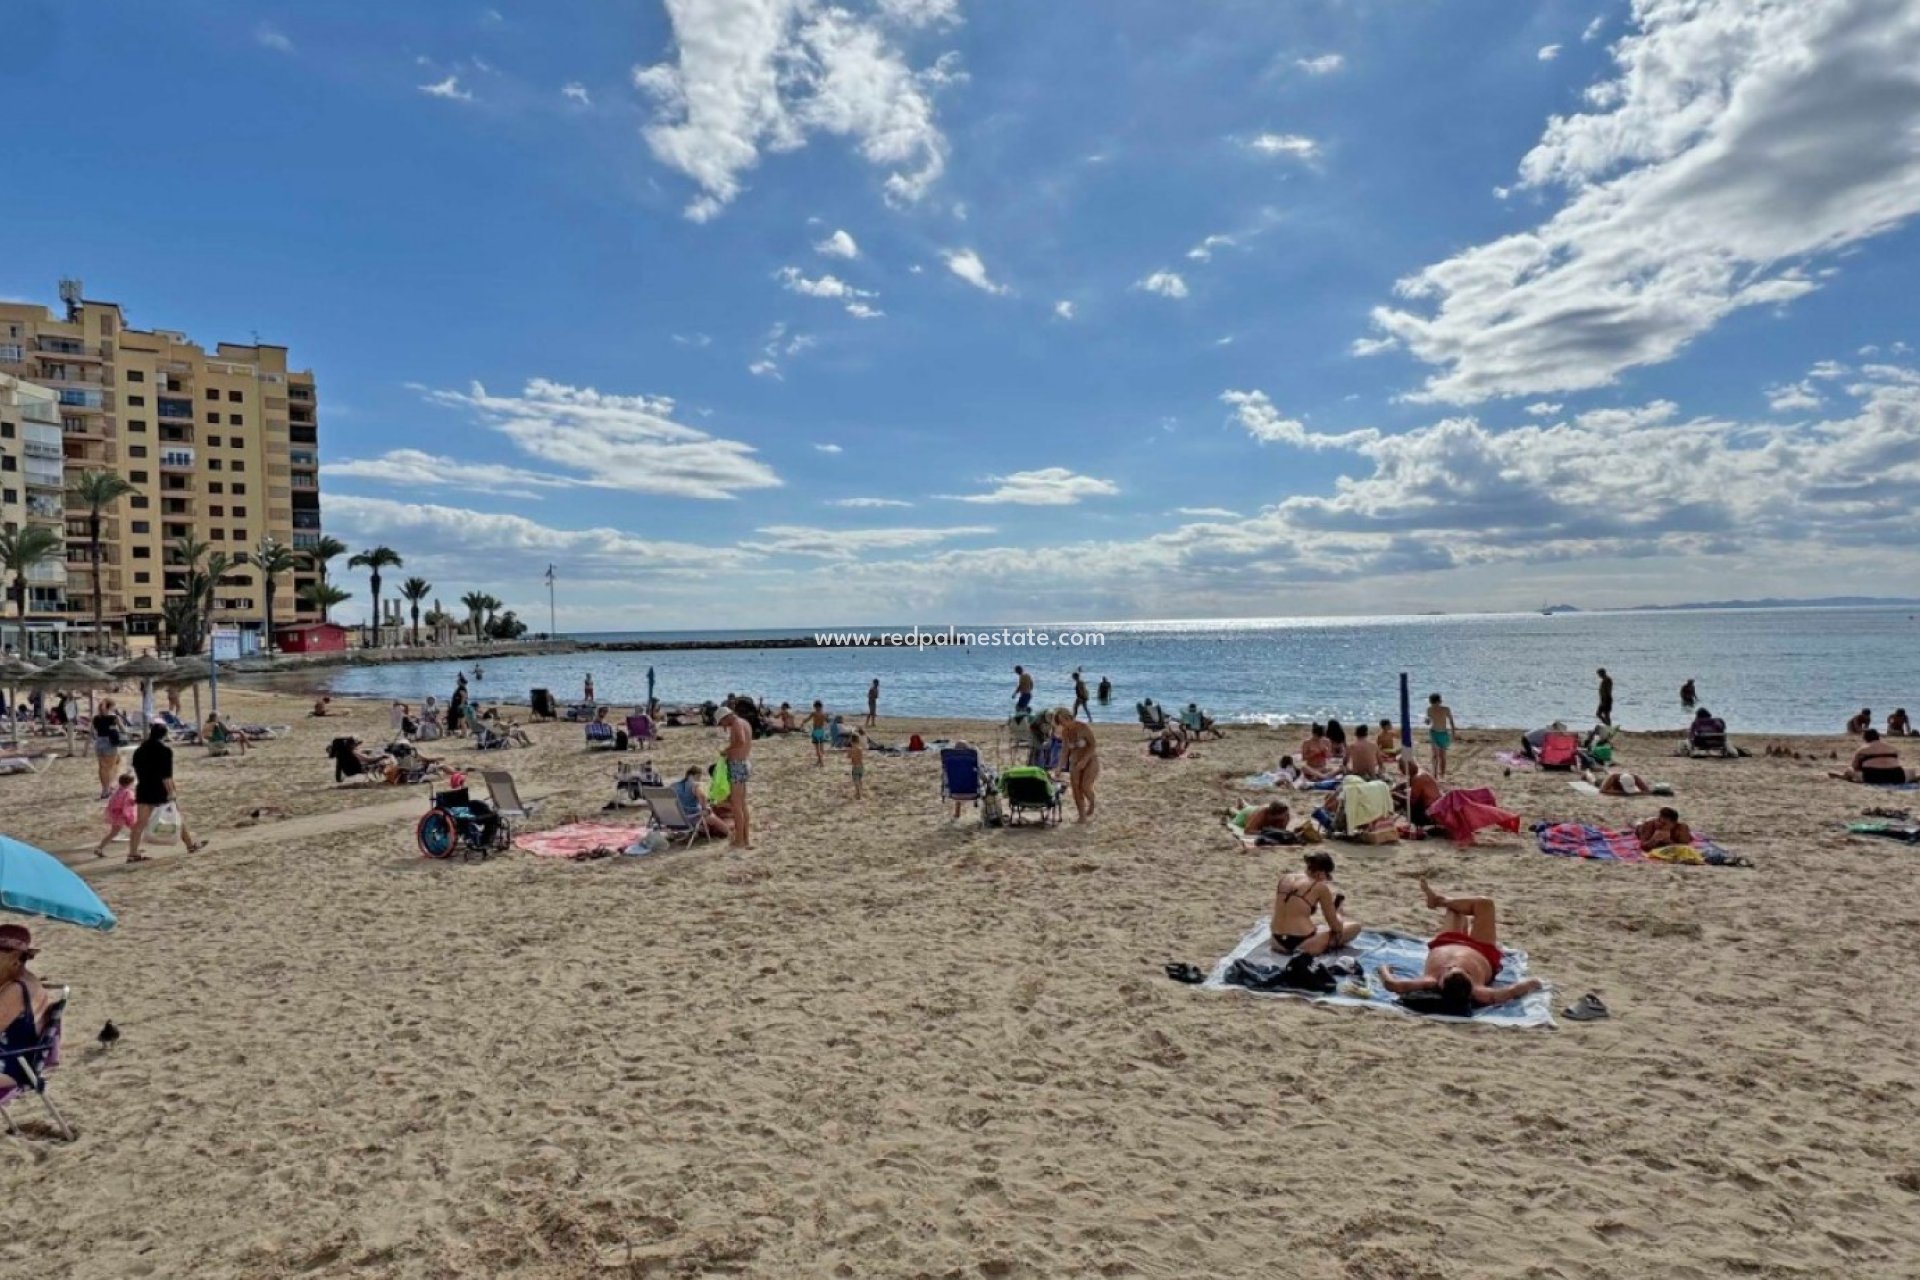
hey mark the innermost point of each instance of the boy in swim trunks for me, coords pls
(1439, 733)
(857, 760)
(817, 730)
(1463, 959)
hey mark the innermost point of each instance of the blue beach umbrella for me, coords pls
(649, 686)
(34, 883)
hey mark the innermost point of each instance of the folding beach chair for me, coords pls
(488, 738)
(599, 733)
(671, 819)
(640, 729)
(506, 796)
(960, 774)
(1029, 790)
(25, 1069)
(178, 729)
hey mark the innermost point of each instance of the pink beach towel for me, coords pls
(577, 839)
(1462, 812)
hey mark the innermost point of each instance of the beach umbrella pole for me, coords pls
(1406, 714)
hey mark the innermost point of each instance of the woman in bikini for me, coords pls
(1295, 899)
(1876, 762)
(1083, 759)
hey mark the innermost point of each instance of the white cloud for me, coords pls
(1543, 409)
(693, 339)
(1364, 347)
(1828, 370)
(782, 342)
(1594, 29)
(270, 38)
(1292, 145)
(922, 13)
(868, 503)
(1324, 65)
(1794, 397)
(577, 92)
(755, 76)
(1207, 513)
(828, 448)
(861, 311)
(614, 441)
(1047, 487)
(849, 544)
(1548, 52)
(1167, 284)
(417, 469)
(966, 264)
(826, 286)
(492, 18)
(838, 245)
(449, 89)
(764, 369)
(1740, 139)
(1266, 424)
(1063, 309)
(1203, 252)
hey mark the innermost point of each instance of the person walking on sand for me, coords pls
(1083, 760)
(873, 703)
(1439, 734)
(817, 733)
(1604, 712)
(122, 813)
(857, 761)
(1688, 697)
(1080, 696)
(153, 787)
(106, 745)
(738, 753)
(1022, 693)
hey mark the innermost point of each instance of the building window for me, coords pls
(12, 353)
(136, 426)
(143, 553)
(239, 513)
(213, 419)
(6, 431)
(8, 464)
(216, 511)
(142, 526)
(142, 576)
(240, 535)
(134, 375)
(218, 535)
(216, 487)
(239, 464)
(234, 396)
(139, 500)
(234, 420)
(138, 477)
(136, 451)
(239, 490)
(143, 602)
(9, 496)
(213, 464)
(136, 401)
(212, 394)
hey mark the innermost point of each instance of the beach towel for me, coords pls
(1364, 802)
(1905, 832)
(1577, 840)
(1373, 948)
(578, 840)
(1893, 786)
(1465, 810)
(1513, 759)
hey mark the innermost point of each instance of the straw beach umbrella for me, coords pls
(145, 669)
(12, 672)
(71, 675)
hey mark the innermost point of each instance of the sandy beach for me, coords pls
(886, 1044)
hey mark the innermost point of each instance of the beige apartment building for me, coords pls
(221, 447)
(32, 485)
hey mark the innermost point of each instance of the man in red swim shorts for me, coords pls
(1463, 959)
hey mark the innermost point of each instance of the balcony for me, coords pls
(176, 435)
(171, 407)
(176, 507)
(306, 482)
(71, 348)
(303, 458)
(176, 459)
(45, 475)
(82, 398)
(306, 539)
(41, 507)
(307, 520)
(48, 573)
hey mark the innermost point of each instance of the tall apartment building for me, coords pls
(221, 447)
(32, 484)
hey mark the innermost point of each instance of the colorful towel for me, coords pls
(577, 840)
(1465, 810)
(1905, 832)
(1513, 760)
(1576, 840)
(1408, 955)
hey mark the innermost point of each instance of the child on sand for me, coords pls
(817, 730)
(1439, 733)
(120, 814)
(857, 761)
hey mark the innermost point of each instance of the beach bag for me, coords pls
(164, 826)
(915, 744)
(722, 786)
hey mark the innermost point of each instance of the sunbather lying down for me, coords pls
(1462, 961)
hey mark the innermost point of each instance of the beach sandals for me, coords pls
(1589, 1008)
(1185, 973)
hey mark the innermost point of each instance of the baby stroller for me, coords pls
(457, 823)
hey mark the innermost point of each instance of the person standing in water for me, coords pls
(1080, 696)
(1687, 695)
(1604, 712)
(1106, 691)
(873, 703)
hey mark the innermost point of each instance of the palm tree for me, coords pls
(476, 602)
(374, 559)
(20, 550)
(323, 596)
(415, 590)
(273, 559)
(322, 551)
(189, 614)
(97, 491)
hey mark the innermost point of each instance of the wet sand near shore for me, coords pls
(887, 1044)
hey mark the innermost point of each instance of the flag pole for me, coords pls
(553, 626)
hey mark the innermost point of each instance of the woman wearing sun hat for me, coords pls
(23, 1001)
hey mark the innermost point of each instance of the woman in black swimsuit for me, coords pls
(1295, 899)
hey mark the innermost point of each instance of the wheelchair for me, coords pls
(459, 824)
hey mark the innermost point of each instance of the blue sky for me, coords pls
(779, 313)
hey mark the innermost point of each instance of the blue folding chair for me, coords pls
(24, 1068)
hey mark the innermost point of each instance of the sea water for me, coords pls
(1763, 670)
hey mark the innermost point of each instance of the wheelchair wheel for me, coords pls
(437, 835)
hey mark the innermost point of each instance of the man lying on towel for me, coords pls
(1462, 961)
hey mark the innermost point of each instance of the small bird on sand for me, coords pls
(109, 1034)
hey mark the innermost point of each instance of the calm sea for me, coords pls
(1766, 671)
